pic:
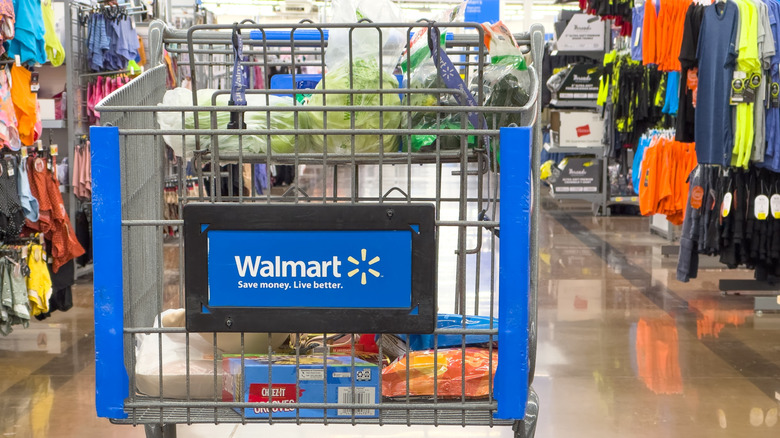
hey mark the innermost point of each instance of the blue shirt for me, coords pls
(717, 56)
(772, 153)
(636, 33)
(28, 40)
(672, 100)
(636, 168)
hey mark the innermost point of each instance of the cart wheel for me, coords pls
(526, 428)
(160, 430)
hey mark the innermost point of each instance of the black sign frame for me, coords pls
(200, 218)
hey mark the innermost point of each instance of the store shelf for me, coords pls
(53, 124)
(626, 200)
(573, 149)
(560, 103)
(593, 197)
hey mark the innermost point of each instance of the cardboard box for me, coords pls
(581, 85)
(311, 376)
(579, 175)
(47, 109)
(576, 128)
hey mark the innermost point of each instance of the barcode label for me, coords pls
(363, 396)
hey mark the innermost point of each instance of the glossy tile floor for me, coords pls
(624, 351)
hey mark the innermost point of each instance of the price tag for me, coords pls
(737, 90)
(34, 84)
(774, 93)
(18, 60)
(774, 203)
(48, 165)
(24, 151)
(54, 150)
(39, 145)
(761, 209)
(11, 171)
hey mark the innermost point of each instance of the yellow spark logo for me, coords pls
(355, 271)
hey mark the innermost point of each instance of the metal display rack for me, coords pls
(130, 290)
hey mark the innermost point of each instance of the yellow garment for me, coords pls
(39, 282)
(604, 86)
(747, 63)
(54, 50)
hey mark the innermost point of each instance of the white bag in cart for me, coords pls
(174, 358)
(174, 364)
(255, 120)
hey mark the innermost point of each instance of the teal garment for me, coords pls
(28, 41)
(672, 101)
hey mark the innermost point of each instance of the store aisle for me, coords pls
(624, 351)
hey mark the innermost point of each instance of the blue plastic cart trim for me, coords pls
(284, 35)
(301, 35)
(305, 82)
(511, 381)
(111, 381)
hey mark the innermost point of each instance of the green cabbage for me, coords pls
(365, 76)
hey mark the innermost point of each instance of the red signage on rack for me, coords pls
(582, 131)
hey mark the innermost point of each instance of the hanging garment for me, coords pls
(26, 198)
(98, 42)
(714, 132)
(7, 23)
(54, 50)
(28, 41)
(14, 301)
(61, 285)
(11, 212)
(141, 59)
(54, 221)
(25, 103)
(39, 281)
(9, 133)
(686, 112)
(84, 237)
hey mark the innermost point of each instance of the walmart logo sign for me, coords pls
(278, 268)
(309, 268)
(355, 271)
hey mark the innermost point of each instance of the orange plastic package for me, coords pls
(449, 373)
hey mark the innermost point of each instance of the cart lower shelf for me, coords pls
(440, 417)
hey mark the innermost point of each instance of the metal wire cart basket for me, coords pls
(364, 291)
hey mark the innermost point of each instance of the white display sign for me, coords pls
(584, 33)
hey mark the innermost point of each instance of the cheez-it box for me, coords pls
(312, 375)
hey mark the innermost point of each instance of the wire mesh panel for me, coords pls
(365, 134)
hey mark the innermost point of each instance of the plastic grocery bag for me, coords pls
(365, 42)
(506, 81)
(420, 72)
(256, 120)
(201, 357)
(174, 364)
(450, 364)
(363, 73)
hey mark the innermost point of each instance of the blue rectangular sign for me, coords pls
(481, 11)
(314, 269)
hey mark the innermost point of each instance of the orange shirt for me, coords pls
(25, 104)
(649, 37)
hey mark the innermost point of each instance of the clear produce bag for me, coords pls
(255, 120)
(364, 71)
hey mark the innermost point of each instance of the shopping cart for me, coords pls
(450, 197)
